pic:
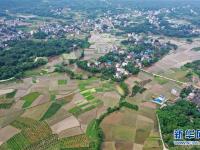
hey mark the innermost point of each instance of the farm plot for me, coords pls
(79, 141)
(30, 98)
(5, 92)
(11, 94)
(120, 126)
(84, 106)
(7, 100)
(40, 100)
(108, 146)
(29, 137)
(89, 94)
(6, 105)
(54, 107)
(120, 90)
(67, 123)
(22, 123)
(60, 115)
(110, 99)
(7, 132)
(9, 117)
(36, 112)
(100, 45)
(62, 82)
(181, 56)
(131, 130)
(71, 132)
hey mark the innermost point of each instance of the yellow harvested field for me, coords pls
(120, 90)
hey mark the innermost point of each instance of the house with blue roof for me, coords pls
(160, 100)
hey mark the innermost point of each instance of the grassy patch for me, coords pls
(29, 99)
(62, 82)
(51, 110)
(161, 80)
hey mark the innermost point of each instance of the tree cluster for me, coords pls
(182, 115)
(21, 55)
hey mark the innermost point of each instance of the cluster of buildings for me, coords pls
(153, 17)
(125, 57)
(9, 31)
(60, 29)
(185, 27)
(194, 96)
(120, 70)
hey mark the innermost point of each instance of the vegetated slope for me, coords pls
(21, 56)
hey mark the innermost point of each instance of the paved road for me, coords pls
(163, 143)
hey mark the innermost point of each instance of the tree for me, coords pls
(132, 69)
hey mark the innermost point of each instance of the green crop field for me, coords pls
(54, 107)
(12, 94)
(90, 97)
(22, 123)
(28, 137)
(29, 99)
(62, 82)
(79, 141)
